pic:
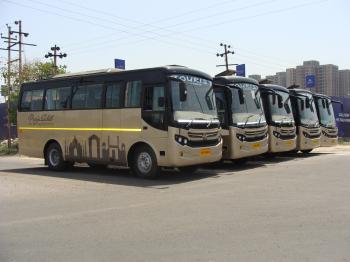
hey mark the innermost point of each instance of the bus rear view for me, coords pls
(305, 115)
(240, 111)
(279, 116)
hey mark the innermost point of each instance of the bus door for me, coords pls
(154, 124)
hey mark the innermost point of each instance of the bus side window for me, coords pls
(133, 94)
(87, 97)
(154, 106)
(32, 100)
(114, 95)
(25, 101)
(57, 98)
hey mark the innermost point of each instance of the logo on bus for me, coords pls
(192, 79)
(34, 119)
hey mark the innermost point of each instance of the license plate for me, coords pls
(289, 143)
(315, 141)
(256, 145)
(205, 152)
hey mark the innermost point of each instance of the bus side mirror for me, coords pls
(280, 101)
(273, 99)
(287, 108)
(161, 101)
(183, 92)
(327, 104)
(323, 104)
(302, 104)
(241, 96)
(307, 102)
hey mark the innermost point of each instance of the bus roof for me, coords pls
(225, 80)
(321, 96)
(276, 87)
(170, 69)
(299, 90)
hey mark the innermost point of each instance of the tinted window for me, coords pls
(57, 98)
(133, 94)
(87, 97)
(114, 95)
(154, 106)
(32, 100)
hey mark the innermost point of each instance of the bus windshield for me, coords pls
(326, 113)
(251, 111)
(307, 114)
(278, 112)
(199, 101)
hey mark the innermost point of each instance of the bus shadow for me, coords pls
(117, 176)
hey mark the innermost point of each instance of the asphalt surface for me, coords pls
(290, 208)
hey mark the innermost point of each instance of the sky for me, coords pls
(266, 35)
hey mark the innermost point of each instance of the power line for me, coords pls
(226, 52)
(20, 44)
(55, 55)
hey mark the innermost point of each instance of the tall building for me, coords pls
(272, 79)
(281, 78)
(290, 77)
(344, 82)
(329, 80)
(256, 77)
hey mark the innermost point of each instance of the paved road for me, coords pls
(284, 209)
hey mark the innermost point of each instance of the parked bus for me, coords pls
(305, 116)
(329, 130)
(279, 117)
(144, 119)
(241, 114)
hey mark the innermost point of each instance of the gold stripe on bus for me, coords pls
(81, 129)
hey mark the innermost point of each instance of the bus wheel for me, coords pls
(54, 158)
(239, 161)
(144, 163)
(96, 166)
(188, 169)
(306, 151)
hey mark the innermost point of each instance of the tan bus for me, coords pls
(144, 119)
(240, 111)
(279, 117)
(329, 130)
(305, 116)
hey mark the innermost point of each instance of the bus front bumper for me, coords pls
(246, 149)
(188, 156)
(327, 141)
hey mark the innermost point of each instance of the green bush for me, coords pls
(4, 150)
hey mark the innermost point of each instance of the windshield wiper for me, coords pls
(248, 119)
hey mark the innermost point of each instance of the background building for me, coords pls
(328, 79)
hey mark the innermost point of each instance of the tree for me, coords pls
(32, 71)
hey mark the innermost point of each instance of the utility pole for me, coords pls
(227, 52)
(55, 49)
(9, 40)
(20, 47)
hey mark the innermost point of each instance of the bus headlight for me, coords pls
(276, 134)
(241, 137)
(181, 140)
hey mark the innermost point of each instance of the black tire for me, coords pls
(306, 151)
(54, 158)
(144, 163)
(239, 161)
(96, 166)
(188, 169)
